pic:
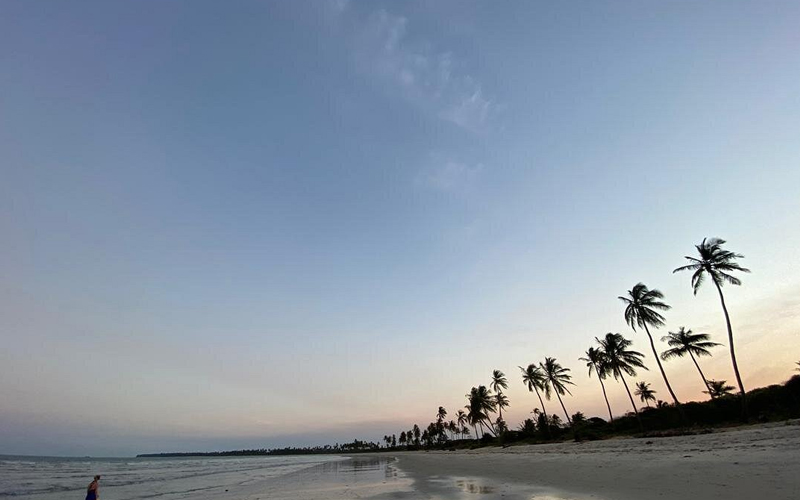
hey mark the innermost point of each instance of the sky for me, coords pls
(258, 224)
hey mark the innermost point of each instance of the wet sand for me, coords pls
(746, 463)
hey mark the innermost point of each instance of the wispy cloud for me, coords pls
(427, 77)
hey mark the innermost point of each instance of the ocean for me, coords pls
(51, 478)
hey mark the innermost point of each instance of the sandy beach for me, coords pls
(746, 463)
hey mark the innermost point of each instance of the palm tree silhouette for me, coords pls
(593, 359)
(556, 380)
(718, 263)
(618, 359)
(461, 418)
(798, 367)
(501, 401)
(641, 309)
(497, 384)
(533, 377)
(718, 388)
(441, 414)
(416, 432)
(685, 342)
(645, 393)
(480, 404)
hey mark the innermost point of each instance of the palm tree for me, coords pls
(499, 381)
(557, 379)
(481, 403)
(798, 367)
(501, 401)
(618, 359)
(685, 342)
(416, 432)
(441, 414)
(718, 264)
(402, 439)
(497, 384)
(461, 418)
(718, 388)
(642, 306)
(594, 358)
(645, 393)
(533, 377)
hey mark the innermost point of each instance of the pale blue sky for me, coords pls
(263, 223)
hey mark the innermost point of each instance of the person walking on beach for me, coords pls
(93, 491)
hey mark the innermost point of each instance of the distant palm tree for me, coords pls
(497, 384)
(618, 359)
(501, 401)
(416, 432)
(685, 342)
(718, 388)
(461, 418)
(593, 359)
(718, 264)
(441, 414)
(480, 404)
(645, 393)
(533, 377)
(557, 379)
(451, 426)
(798, 367)
(641, 309)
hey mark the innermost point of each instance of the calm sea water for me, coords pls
(49, 478)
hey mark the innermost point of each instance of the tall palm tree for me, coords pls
(618, 359)
(416, 432)
(533, 377)
(645, 393)
(685, 342)
(557, 378)
(718, 263)
(593, 359)
(718, 388)
(641, 309)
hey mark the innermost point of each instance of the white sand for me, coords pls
(753, 463)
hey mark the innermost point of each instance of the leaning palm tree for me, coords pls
(685, 342)
(593, 359)
(718, 388)
(641, 309)
(533, 377)
(618, 359)
(718, 264)
(645, 393)
(557, 378)
(480, 404)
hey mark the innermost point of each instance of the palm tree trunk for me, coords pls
(733, 351)
(698, 369)
(663, 373)
(544, 412)
(569, 420)
(638, 418)
(610, 416)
